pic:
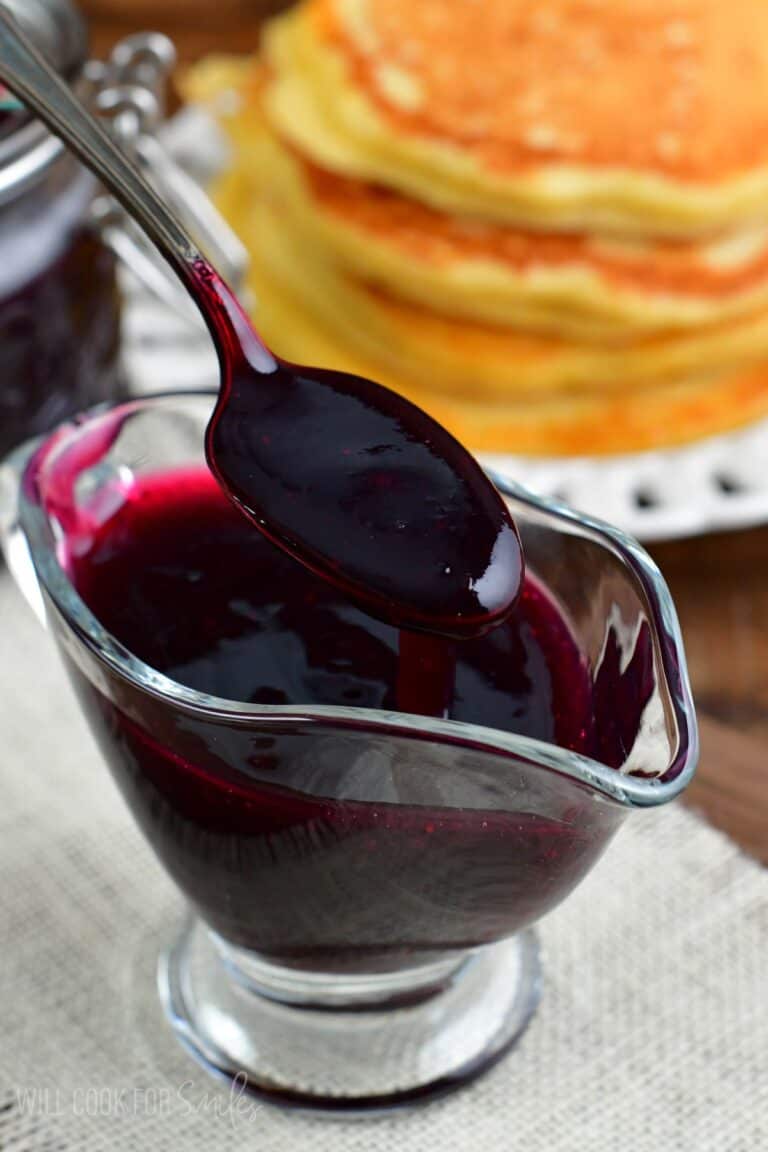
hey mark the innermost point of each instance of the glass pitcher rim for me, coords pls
(624, 788)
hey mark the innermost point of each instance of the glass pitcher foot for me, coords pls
(351, 1044)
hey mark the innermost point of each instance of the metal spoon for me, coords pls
(352, 480)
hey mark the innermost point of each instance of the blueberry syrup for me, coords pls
(359, 485)
(180, 578)
(296, 841)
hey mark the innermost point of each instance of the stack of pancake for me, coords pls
(547, 223)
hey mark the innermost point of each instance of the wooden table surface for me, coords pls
(720, 583)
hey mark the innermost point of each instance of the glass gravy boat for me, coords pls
(362, 882)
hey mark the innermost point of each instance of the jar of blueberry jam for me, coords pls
(59, 302)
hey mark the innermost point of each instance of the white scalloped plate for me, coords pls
(715, 484)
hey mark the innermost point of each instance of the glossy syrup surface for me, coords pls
(180, 577)
(318, 847)
(360, 485)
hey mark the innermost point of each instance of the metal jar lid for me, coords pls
(59, 31)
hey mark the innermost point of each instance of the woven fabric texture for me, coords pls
(652, 1033)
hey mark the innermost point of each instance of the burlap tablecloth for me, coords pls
(652, 1033)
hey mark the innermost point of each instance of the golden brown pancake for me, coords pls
(518, 338)
(579, 82)
(652, 416)
(687, 270)
(605, 288)
(582, 285)
(475, 359)
(648, 116)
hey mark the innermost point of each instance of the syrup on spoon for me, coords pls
(349, 478)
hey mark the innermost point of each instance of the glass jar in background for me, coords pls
(59, 301)
(59, 306)
(63, 240)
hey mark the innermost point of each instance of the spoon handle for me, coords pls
(24, 70)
